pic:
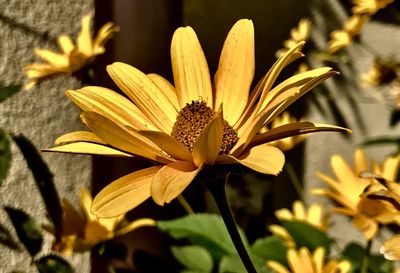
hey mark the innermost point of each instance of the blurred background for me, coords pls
(143, 41)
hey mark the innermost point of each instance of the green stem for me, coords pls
(218, 191)
(364, 267)
(184, 203)
(294, 179)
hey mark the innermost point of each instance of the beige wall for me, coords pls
(41, 114)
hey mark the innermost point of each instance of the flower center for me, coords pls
(192, 119)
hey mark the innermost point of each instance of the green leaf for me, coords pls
(355, 253)
(6, 239)
(5, 155)
(270, 248)
(44, 182)
(233, 264)
(53, 264)
(8, 91)
(306, 235)
(207, 230)
(28, 232)
(194, 258)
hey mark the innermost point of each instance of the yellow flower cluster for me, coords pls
(73, 57)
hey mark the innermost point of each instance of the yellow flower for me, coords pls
(344, 37)
(369, 6)
(82, 232)
(391, 248)
(379, 73)
(73, 56)
(301, 33)
(303, 261)
(285, 144)
(185, 128)
(347, 191)
(313, 216)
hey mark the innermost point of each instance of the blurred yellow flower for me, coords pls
(312, 216)
(348, 190)
(81, 232)
(391, 248)
(388, 193)
(369, 6)
(284, 144)
(302, 261)
(298, 34)
(185, 128)
(73, 56)
(344, 37)
(379, 73)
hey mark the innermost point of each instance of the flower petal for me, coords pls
(121, 138)
(105, 33)
(293, 129)
(55, 59)
(66, 44)
(262, 158)
(208, 144)
(391, 248)
(84, 40)
(124, 193)
(190, 68)
(111, 105)
(171, 180)
(78, 136)
(167, 88)
(86, 202)
(236, 70)
(168, 144)
(87, 148)
(146, 95)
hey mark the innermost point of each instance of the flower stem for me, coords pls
(294, 179)
(185, 204)
(364, 267)
(218, 191)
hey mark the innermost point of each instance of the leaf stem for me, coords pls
(218, 191)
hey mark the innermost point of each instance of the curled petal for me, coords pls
(87, 148)
(171, 180)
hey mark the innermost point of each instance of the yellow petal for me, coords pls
(360, 162)
(276, 267)
(166, 87)
(84, 40)
(143, 222)
(87, 148)
(66, 44)
(171, 180)
(121, 138)
(78, 136)
(262, 158)
(111, 105)
(55, 59)
(391, 248)
(145, 94)
(391, 167)
(299, 211)
(124, 193)
(293, 129)
(235, 71)
(168, 144)
(190, 69)
(319, 257)
(105, 33)
(208, 144)
(86, 203)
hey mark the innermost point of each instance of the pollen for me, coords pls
(192, 119)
